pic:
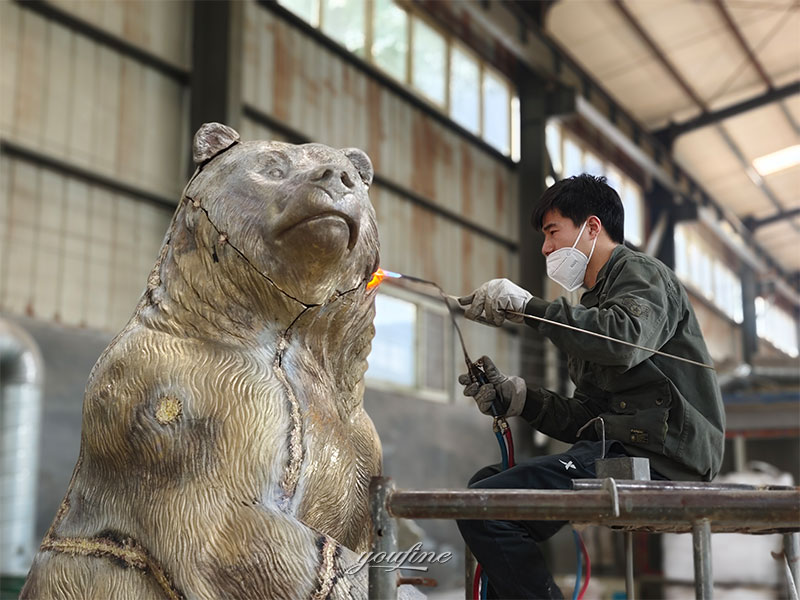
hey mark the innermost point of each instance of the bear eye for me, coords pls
(275, 173)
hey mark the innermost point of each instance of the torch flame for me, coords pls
(379, 276)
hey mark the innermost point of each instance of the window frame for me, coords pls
(513, 133)
(419, 389)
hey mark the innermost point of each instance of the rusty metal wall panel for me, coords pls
(70, 251)
(420, 243)
(161, 28)
(251, 130)
(74, 99)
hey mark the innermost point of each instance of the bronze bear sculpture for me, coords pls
(225, 451)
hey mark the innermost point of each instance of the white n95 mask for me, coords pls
(567, 266)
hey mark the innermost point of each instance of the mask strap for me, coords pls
(592, 250)
(580, 233)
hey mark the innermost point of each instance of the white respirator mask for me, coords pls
(567, 266)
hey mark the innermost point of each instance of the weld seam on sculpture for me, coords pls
(197, 204)
(327, 573)
(291, 474)
(169, 410)
(129, 552)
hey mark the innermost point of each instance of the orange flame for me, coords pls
(377, 277)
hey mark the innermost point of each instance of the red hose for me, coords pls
(510, 445)
(588, 565)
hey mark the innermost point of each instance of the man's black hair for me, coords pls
(578, 198)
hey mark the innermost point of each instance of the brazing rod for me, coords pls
(599, 335)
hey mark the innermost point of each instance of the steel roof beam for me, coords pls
(762, 73)
(753, 224)
(673, 130)
(659, 54)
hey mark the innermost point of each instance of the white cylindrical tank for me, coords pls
(21, 378)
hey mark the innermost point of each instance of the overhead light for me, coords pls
(777, 161)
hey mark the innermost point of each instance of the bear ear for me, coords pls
(361, 162)
(211, 139)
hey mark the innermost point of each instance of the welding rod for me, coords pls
(600, 335)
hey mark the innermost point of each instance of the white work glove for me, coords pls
(494, 298)
(507, 394)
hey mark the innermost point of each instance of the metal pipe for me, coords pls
(791, 557)
(21, 367)
(701, 486)
(663, 510)
(701, 543)
(470, 564)
(629, 565)
(382, 582)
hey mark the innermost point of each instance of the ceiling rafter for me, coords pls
(752, 223)
(754, 62)
(673, 130)
(647, 39)
(659, 54)
(726, 16)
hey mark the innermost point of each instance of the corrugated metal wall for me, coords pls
(71, 249)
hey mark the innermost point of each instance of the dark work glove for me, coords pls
(506, 393)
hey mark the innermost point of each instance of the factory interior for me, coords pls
(468, 110)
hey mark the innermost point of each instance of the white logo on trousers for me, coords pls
(568, 465)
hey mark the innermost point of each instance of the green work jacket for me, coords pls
(660, 408)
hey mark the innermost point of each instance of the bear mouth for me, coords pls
(333, 218)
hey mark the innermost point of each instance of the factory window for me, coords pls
(308, 10)
(496, 111)
(776, 326)
(465, 90)
(393, 356)
(435, 65)
(705, 274)
(390, 43)
(409, 350)
(428, 61)
(569, 157)
(345, 22)
(728, 291)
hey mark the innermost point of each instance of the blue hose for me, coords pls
(503, 451)
(579, 560)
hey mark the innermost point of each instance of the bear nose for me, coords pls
(321, 173)
(325, 173)
(347, 181)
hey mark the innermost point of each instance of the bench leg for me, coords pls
(382, 582)
(701, 541)
(629, 565)
(791, 556)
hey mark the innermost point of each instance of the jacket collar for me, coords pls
(589, 297)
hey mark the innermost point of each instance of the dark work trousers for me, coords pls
(508, 551)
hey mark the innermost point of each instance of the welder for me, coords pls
(651, 405)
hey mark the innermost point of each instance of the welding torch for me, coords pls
(474, 369)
